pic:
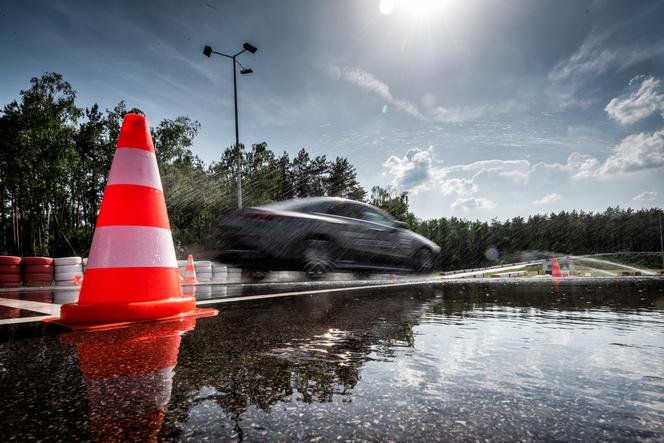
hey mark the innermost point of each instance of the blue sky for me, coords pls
(479, 109)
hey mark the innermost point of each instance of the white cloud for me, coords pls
(369, 82)
(458, 186)
(418, 170)
(413, 172)
(471, 203)
(595, 56)
(643, 102)
(636, 152)
(491, 171)
(581, 165)
(646, 196)
(548, 199)
(509, 171)
(578, 166)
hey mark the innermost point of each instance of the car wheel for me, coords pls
(318, 258)
(423, 261)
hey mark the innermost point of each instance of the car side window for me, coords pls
(340, 209)
(375, 216)
(322, 207)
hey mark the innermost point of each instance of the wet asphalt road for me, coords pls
(447, 361)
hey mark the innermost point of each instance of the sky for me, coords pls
(478, 109)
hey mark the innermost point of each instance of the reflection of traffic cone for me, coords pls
(555, 269)
(129, 374)
(132, 273)
(190, 271)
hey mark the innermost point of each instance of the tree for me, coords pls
(342, 180)
(37, 150)
(393, 202)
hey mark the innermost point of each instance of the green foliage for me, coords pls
(470, 244)
(393, 202)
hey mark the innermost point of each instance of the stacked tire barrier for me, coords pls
(219, 272)
(10, 272)
(37, 271)
(234, 275)
(203, 271)
(66, 269)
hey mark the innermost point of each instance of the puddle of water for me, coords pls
(453, 361)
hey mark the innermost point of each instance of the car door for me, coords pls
(353, 237)
(389, 240)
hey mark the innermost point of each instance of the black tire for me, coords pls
(423, 261)
(318, 258)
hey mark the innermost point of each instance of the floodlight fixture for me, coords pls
(249, 47)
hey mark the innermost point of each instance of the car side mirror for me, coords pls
(400, 224)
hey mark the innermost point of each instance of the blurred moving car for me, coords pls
(321, 234)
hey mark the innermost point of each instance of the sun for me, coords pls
(386, 6)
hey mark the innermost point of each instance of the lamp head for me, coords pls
(249, 47)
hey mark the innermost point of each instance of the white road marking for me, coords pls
(13, 321)
(43, 308)
(318, 291)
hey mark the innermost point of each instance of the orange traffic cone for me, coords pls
(190, 271)
(128, 373)
(555, 269)
(132, 272)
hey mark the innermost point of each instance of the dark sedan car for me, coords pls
(321, 234)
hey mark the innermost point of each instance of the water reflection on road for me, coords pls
(499, 361)
(453, 361)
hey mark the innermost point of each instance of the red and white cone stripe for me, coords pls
(132, 247)
(132, 166)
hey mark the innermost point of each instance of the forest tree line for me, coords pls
(55, 157)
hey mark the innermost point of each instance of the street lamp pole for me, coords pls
(238, 154)
(207, 51)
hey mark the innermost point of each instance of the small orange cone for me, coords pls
(555, 269)
(132, 273)
(190, 271)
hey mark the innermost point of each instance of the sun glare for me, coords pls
(414, 8)
(386, 6)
